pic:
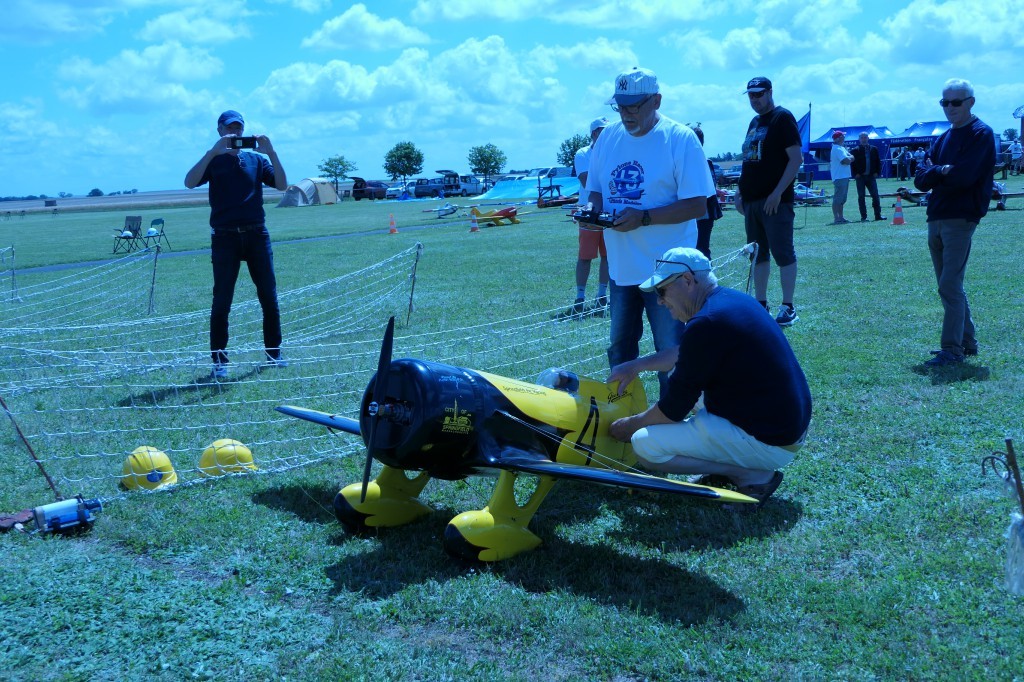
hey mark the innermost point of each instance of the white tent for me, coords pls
(309, 192)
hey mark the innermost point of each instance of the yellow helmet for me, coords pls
(225, 456)
(147, 468)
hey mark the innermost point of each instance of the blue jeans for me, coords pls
(628, 306)
(228, 250)
(949, 242)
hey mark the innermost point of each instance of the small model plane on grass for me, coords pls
(450, 423)
(916, 198)
(446, 209)
(497, 217)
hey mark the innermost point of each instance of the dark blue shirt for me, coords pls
(736, 354)
(966, 190)
(236, 188)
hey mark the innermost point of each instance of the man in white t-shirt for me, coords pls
(591, 241)
(840, 166)
(651, 174)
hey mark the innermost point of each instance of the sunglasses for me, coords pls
(756, 95)
(631, 108)
(952, 102)
(662, 288)
(667, 282)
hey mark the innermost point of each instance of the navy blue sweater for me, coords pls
(966, 190)
(736, 354)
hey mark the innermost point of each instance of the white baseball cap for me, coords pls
(634, 86)
(598, 123)
(675, 262)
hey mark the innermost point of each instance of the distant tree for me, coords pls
(567, 152)
(336, 167)
(95, 192)
(486, 160)
(63, 195)
(1011, 134)
(402, 161)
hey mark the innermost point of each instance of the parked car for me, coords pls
(395, 191)
(368, 189)
(731, 176)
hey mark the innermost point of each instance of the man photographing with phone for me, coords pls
(238, 230)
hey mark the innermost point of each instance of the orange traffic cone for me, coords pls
(473, 226)
(392, 229)
(897, 218)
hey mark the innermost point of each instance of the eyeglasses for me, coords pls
(953, 102)
(756, 95)
(631, 108)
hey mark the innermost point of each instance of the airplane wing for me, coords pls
(623, 479)
(331, 421)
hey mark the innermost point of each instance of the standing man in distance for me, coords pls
(866, 166)
(591, 241)
(771, 158)
(238, 231)
(960, 181)
(650, 172)
(840, 161)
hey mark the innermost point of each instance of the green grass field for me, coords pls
(881, 557)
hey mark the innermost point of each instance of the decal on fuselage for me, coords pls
(456, 420)
(589, 427)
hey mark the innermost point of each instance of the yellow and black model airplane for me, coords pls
(494, 218)
(450, 423)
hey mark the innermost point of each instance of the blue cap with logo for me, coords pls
(230, 116)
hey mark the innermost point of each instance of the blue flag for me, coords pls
(804, 125)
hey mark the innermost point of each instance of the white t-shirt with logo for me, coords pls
(659, 168)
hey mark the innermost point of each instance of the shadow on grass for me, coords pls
(951, 374)
(310, 504)
(599, 570)
(201, 388)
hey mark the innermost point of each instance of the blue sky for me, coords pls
(122, 94)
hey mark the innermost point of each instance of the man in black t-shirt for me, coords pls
(771, 158)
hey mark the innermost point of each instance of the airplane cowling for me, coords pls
(434, 409)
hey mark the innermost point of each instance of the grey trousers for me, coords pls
(949, 242)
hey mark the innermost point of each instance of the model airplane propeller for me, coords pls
(450, 423)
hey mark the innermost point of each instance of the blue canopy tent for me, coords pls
(878, 136)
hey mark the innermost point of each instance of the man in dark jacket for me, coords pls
(960, 181)
(865, 168)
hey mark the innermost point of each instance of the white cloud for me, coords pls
(308, 6)
(361, 30)
(49, 21)
(149, 80)
(600, 14)
(927, 29)
(601, 55)
(213, 24)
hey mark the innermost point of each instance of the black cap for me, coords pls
(758, 84)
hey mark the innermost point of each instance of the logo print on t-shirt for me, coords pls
(627, 180)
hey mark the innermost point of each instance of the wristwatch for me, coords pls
(646, 220)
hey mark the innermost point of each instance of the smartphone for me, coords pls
(243, 143)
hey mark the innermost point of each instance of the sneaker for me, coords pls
(864, 219)
(879, 218)
(787, 316)
(575, 310)
(943, 358)
(220, 371)
(602, 301)
(762, 491)
(969, 352)
(279, 361)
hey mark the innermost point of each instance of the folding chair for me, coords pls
(155, 234)
(126, 239)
